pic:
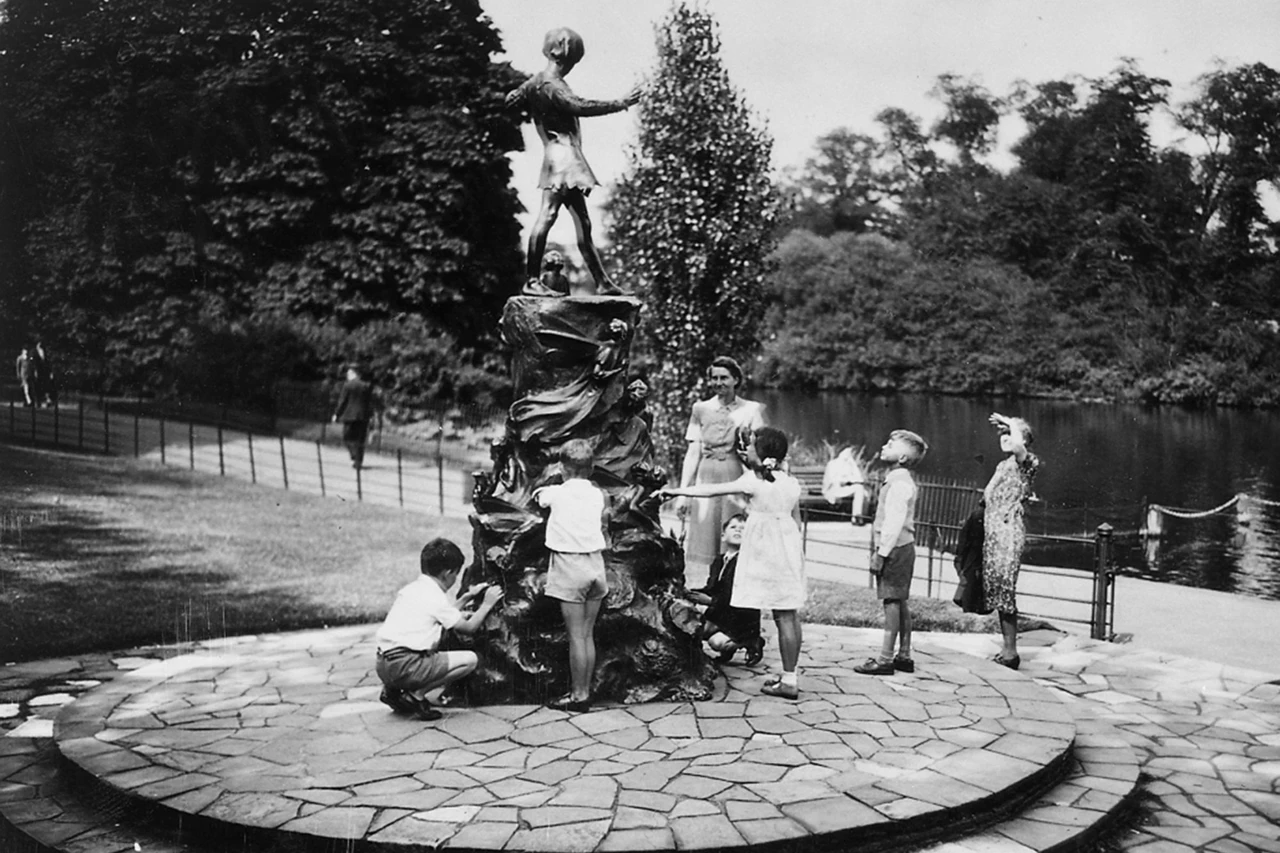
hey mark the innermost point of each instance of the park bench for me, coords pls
(814, 507)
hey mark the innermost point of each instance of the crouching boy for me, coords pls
(410, 663)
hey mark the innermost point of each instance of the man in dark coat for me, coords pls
(355, 409)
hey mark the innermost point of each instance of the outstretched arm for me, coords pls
(566, 101)
(704, 490)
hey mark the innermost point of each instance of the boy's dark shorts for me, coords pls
(895, 581)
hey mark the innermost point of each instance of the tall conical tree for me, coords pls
(692, 222)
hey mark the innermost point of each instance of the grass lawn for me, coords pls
(101, 553)
(857, 606)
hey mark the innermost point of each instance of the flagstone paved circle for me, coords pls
(285, 732)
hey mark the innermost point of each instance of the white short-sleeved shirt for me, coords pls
(419, 616)
(576, 523)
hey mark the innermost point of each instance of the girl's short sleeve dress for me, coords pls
(771, 562)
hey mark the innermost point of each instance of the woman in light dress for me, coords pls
(712, 458)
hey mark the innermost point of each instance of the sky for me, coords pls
(807, 67)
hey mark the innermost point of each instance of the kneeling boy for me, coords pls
(727, 628)
(410, 663)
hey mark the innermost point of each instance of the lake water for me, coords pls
(1100, 463)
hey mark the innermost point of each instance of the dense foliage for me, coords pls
(1101, 265)
(693, 219)
(258, 188)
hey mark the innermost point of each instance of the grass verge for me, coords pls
(100, 553)
(857, 607)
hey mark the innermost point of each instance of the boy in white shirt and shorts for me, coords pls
(575, 573)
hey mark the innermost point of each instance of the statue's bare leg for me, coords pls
(547, 214)
(577, 204)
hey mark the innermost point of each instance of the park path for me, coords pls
(431, 485)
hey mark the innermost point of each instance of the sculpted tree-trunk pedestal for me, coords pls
(569, 365)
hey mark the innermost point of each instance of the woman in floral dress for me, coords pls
(1004, 518)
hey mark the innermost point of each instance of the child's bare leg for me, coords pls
(789, 638)
(1009, 635)
(904, 629)
(547, 214)
(892, 628)
(460, 664)
(577, 204)
(580, 622)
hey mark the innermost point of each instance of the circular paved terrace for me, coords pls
(285, 733)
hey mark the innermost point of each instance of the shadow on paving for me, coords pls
(77, 576)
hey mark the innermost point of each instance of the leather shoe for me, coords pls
(422, 709)
(904, 664)
(755, 652)
(873, 666)
(782, 691)
(1013, 662)
(568, 703)
(727, 653)
(396, 699)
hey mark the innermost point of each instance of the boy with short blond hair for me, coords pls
(893, 557)
(575, 571)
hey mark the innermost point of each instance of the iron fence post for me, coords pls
(222, 465)
(253, 468)
(320, 468)
(106, 428)
(284, 465)
(400, 477)
(162, 459)
(1102, 546)
(440, 463)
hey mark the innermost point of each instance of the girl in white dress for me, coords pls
(771, 563)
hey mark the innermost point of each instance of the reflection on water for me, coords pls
(1101, 463)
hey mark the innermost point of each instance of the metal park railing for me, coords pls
(1083, 596)
(421, 481)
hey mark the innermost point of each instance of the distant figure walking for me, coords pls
(356, 406)
(26, 372)
(565, 179)
(1005, 528)
(44, 391)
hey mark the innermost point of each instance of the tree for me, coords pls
(692, 220)
(1237, 116)
(200, 164)
(842, 187)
